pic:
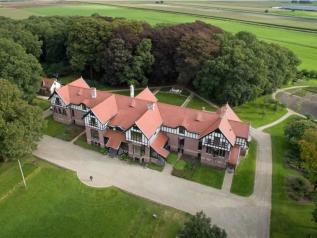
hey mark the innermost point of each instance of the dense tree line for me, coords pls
(221, 66)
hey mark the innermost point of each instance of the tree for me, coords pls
(237, 75)
(200, 226)
(87, 39)
(308, 153)
(141, 64)
(14, 30)
(244, 68)
(20, 123)
(20, 68)
(193, 51)
(296, 129)
(116, 59)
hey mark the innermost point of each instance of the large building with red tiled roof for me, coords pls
(148, 130)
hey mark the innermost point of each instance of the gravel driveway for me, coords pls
(241, 217)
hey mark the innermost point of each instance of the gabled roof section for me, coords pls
(241, 129)
(149, 121)
(80, 82)
(147, 95)
(226, 111)
(158, 144)
(105, 110)
(47, 82)
(224, 126)
(64, 94)
(115, 139)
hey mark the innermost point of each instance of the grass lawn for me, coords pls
(57, 204)
(199, 173)
(82, 142)
(43, 104)
(61, 131)
(197, 103)
(288, 218)
(172, 158)
(127, 92)
(302, 43)
(170, 98)
(155, 167)
(10, 175)
(262, 111)
(306, 82)
(243, 179)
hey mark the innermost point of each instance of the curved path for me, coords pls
(241, 217)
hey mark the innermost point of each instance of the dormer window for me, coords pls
(181, 130)
(57, 101)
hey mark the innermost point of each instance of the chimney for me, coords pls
(93, 92)
(132, 91)
(151, 106)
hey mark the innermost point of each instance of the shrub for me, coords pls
(200, 226)
(124, 156)
(299, 188)
(104, 151)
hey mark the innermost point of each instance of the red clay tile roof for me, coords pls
(80, 82)
(47, 83)
(228, 113)
(105, 110)
(234, 155)
(150, 121)
(126, 111)
(158, 144)
(241, 129)
(147, 95)
(115, 138)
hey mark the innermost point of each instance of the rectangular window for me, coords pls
(199, 145)
(57, 101)
(136, 136)
(84, 106)
(73, 113)
(181, 130)
(208, 150)
(93, 122)
(217, 141)
(94, 134)
(208, 141)
(142, 150)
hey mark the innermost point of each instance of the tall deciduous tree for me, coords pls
(20, 68)
(20, 123)
(308, 153)
(86, 41)
(141, 64)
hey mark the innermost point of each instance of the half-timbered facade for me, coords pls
(148, 130)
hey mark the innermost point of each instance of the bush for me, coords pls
(124, 156)
(299, 188)
(200, 226)
(104, 151)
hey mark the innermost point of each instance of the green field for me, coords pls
(197, 103)
(302, 43)
(243, 179)
(261, 111)
(289, 219)
(61, 131)
(170, 98)
(57, 204)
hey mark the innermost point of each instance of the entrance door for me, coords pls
(181, 143)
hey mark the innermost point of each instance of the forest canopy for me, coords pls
(114, 51)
